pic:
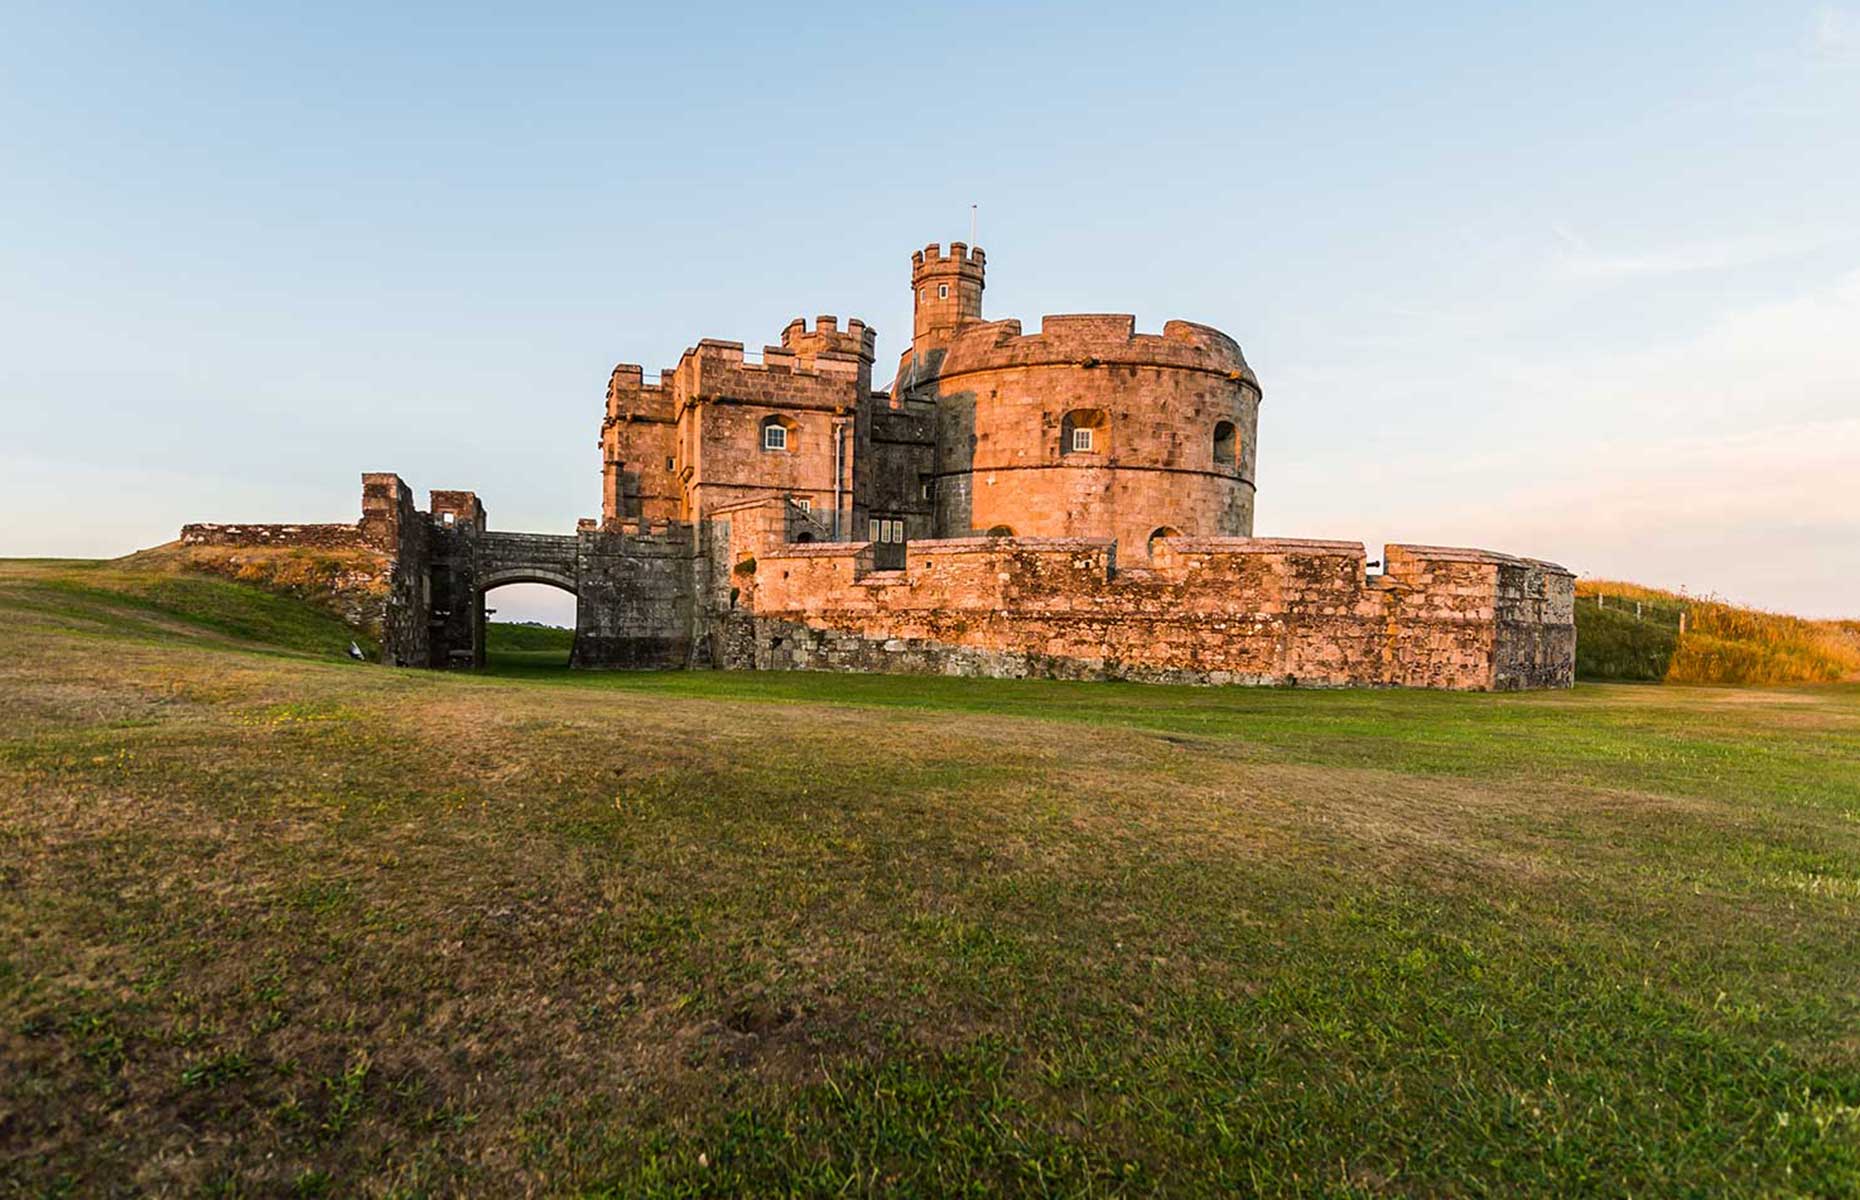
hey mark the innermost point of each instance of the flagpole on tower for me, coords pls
(972, 209)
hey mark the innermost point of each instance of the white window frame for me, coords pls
(774, 436)
(942, 291)
(1081, 439)
(804, 503)
(872, 529)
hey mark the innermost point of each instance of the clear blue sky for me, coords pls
(1580, 281)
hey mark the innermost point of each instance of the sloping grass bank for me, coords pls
(156, 601)
(509, 644)
(1631, 633)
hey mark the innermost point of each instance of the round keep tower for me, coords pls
(1084, 429)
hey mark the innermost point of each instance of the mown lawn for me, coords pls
(273, 922)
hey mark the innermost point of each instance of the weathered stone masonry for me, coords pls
(1207, 610)
(1075, 503)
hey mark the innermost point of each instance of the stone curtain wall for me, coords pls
(320, 537)
(637, 598)
(735, 592)
(1211, 610)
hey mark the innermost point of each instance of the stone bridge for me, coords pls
(550, 558)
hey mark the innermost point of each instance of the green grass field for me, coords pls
(272, 922)
(509, 645)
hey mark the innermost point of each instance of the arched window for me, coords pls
(1226, 444)
(1085, 431)
(1001, 531)
(778, 434)
(1159, 533)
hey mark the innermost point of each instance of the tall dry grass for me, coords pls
(1726, 643)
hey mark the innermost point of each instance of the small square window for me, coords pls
(447, 518)
(774, 437)
(1081, 439)
(803, 503)
(942, 291)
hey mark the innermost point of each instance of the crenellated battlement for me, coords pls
(959, 258)
(1207, 610)
(629, 396)
(827, 339)
(705, 368)
(1092, 340)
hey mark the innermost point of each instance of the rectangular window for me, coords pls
(668, 463)
(804, 504)
(774, 437)
(942, 291)
(897, 530)
(1081, 439)
(871, 532)
(929, 489)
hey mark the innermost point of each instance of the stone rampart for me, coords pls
(323, 537)
(1207, 610)
(1095, 339)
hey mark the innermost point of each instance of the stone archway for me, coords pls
(1161, 533)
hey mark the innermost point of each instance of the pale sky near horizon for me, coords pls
(1578, 281)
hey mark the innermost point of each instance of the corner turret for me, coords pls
(946, 291)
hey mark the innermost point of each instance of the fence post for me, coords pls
(1682, 622)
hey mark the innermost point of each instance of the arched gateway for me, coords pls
(631, 586)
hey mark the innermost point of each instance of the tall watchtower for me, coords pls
(946, 292)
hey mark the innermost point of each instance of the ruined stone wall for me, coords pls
(330, 566)
(323, 537)
(394, 526)
(1008, 404)
(1211, 610)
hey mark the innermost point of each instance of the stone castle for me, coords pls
(1071, 503)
